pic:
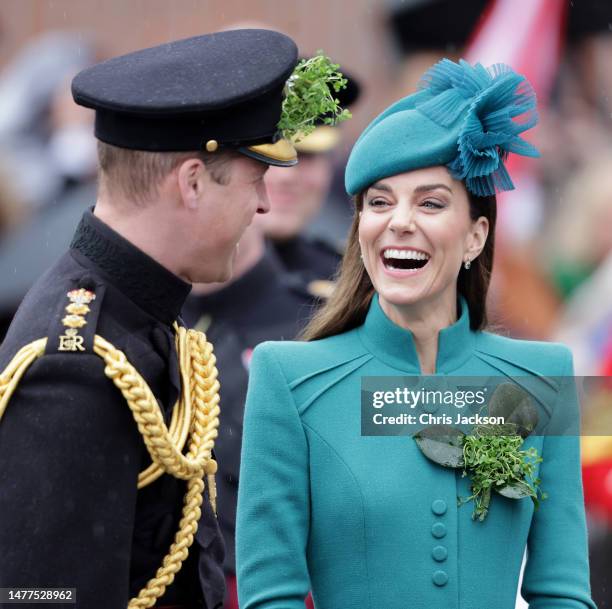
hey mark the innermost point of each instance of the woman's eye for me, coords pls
(377, 203)
(432, 204)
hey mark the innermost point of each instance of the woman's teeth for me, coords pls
(404, 259)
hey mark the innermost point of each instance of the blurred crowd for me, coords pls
(553, 272)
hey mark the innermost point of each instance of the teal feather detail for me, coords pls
(495, 105)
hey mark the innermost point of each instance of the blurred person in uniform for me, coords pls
(46, 139)
(103, 464)
(262, 301)
(298, 195)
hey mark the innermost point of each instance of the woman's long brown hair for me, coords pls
(348, 305)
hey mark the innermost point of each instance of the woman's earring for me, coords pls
(467, 264)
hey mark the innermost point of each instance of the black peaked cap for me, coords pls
(225, 87)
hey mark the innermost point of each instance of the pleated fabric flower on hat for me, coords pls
(492, 100)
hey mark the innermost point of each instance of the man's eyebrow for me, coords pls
(429, 187)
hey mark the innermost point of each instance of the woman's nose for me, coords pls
(403, 220)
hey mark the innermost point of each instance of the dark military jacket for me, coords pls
(314, 259)
(278, 306)
(70, 451)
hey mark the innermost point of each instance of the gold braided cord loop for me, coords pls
(195, 418)
(204, 388)
(12, 374)
(181, 413)
(149, 418)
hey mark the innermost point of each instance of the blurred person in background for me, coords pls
(298, 194)
(577, 168)
(262, 301)
(13, 214)
(581, 243)
(46, 140)
(578, 236)
(48, 149)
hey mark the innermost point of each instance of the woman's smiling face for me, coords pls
(415, 232)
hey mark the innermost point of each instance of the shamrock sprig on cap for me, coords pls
(491, 455)
(309, 97)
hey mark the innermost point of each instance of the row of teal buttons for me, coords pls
(439, 553)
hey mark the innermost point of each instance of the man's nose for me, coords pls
(263, 206)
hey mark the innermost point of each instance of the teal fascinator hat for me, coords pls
(465, 117)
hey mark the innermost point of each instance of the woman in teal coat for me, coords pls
(370, 522)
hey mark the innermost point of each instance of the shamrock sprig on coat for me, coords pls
(491, 455)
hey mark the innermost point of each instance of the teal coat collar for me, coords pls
(395, 346)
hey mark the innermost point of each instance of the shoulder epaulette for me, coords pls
(73, 326)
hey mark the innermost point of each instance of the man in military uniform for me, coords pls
(96, 365)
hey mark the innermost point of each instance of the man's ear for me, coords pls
(191, 176)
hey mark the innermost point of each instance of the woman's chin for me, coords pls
(400, 296)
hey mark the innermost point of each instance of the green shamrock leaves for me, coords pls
(309, 97)
(491, 455)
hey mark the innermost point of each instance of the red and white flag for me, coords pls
(528, 36)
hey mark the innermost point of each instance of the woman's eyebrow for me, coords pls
(380, 186)
(429, 187)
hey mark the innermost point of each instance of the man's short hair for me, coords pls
(137, 174)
